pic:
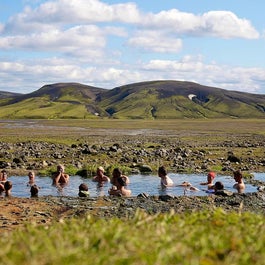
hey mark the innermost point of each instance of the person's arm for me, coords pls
(184, 184)
(164, 182)
(56, 177)
(114, 192)
(106, 178)
(128, 193)
(127, 180)
(66, 177)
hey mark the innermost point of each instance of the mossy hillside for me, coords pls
(205, 237)
(42, 108)
(146, 100)
(133, 104)
(182, 107)
(233, 108)
(169, 100)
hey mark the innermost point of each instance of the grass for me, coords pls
(42, 108)
(68, 131)
(202, 238)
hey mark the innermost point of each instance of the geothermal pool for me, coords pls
(149, 184)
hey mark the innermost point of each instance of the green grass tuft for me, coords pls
(204, 237)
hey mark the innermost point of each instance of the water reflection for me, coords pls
(149, 184)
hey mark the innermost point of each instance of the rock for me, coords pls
(145, 169)
(233, 159)
(166, 197)
(44, 163)
(143, 195)
(261, 188)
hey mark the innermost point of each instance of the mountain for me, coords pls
(55, 101)
(177, 99)
(145, 100)
(4, 94)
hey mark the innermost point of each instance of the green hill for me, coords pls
(56, 101)
(176, 99)
(145, 100)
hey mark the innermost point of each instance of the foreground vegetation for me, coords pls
(215, 237)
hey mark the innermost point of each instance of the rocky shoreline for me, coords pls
(16, 212)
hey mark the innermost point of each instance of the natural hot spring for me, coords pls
(149, 184)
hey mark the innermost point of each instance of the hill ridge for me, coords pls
(157, 99)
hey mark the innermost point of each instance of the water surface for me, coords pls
(138, 184)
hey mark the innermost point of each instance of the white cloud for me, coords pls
(17, 76)
(223, 24)
(1, 28)
(155, 41)
(226, 24)
(66, 12)
(223, 76)
(76, 41)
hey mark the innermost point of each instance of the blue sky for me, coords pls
(112, 43)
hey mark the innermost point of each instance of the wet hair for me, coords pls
(238, 173)
(34, 190)
(219, 185)
(162, 170)
(83, 187)
(117, 171)
(8, 185)
(61, 166)
(121, 181)
(4, 172)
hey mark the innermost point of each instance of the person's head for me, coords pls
(100, 171)
(3, 175)
(116, 172)
(237, 175)
(83, 187)
(31, 176)
(60, 168)
(162, 171)
(34, 190)
(210, 176)
(8, 186)
(218, 185)
(83, 190)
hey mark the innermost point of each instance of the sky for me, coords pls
(112, 43)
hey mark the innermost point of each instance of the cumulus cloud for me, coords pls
(223, 24)
(223, 76)
(155, 42)
(226, 24)
(31, 75)
(65, 12)
(84, 40)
